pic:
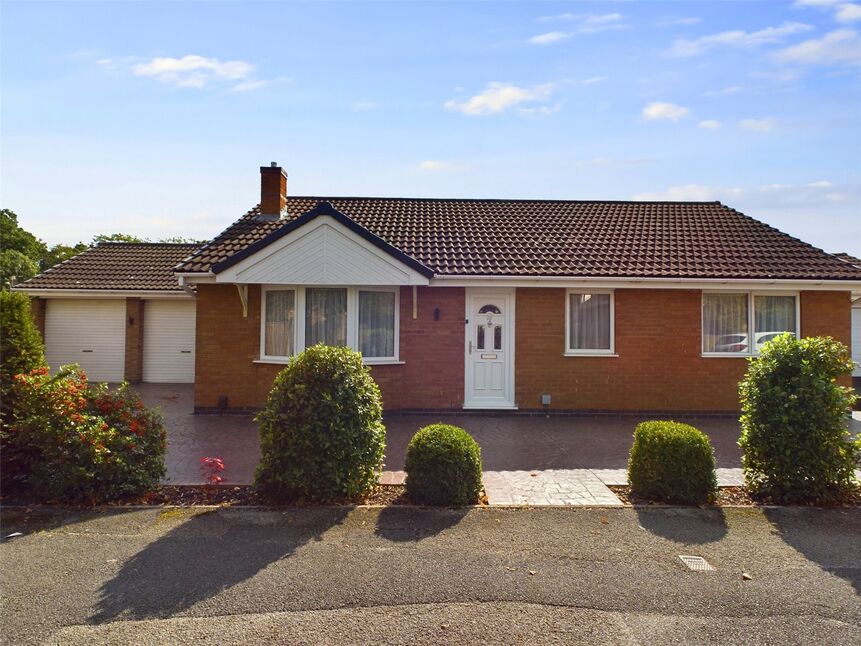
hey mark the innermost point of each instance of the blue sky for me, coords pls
(153, 118)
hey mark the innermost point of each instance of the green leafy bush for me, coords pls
(321, 431)
(91, 444)
(21, 350)
(672, 462)
(21, 347)
(795, 437)
(443, 466)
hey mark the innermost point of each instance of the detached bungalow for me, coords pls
(499, 304)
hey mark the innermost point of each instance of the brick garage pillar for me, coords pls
(37, 309)
(134, 339)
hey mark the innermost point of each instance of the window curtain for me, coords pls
(377, 324)
(280, 322)
(773, 314)
(325, 316)
(589, 322)
(725, 323)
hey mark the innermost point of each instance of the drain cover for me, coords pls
(697, 563)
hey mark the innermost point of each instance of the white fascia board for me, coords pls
(102, 293)
(646, 283)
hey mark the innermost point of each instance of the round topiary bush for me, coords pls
(321, 431)
(443, 466)
(794, 423)
(672, 462)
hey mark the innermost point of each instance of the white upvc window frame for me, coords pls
(751, 320)
(352, 320)
(600, 352)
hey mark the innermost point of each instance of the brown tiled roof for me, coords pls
(560, 238)
(117, 265)
(852, 260)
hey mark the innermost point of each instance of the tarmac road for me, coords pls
(405, 575)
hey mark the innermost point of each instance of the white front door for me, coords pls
(489, 347)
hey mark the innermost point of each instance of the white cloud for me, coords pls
(680, 22)
(248, 86)
(843, 11)
(684, 48)
(689, 193)
(709, 124)
(549, 37)
(360, 106)
(760, 125)
(727, 91)
(848, 12)
(838, 197)
(434, 165)
(193, 71)
(842, 46)
(498, 97)
(824, 183)
(585, 23)
(544, 109)
(594, 79)
(660, 110)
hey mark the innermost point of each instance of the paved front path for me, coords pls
(554, 487)
(421, 576)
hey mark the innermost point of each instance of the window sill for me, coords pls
(589, 354)
(727, 355)
(368, 362)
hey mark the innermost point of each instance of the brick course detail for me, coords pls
(134, 339)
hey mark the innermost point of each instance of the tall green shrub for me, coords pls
(21, 350)
(794, 421)
(672, 462)
(21, 347)
(321, 431)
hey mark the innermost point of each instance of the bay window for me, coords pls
(589, 323)
(740, 323)
(365, 319)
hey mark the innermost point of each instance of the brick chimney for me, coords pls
(273, 191)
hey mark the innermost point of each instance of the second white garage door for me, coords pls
(168, 347)
(89, 332)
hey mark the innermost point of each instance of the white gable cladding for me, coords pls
(322, 252)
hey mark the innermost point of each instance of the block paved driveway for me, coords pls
(532, 460)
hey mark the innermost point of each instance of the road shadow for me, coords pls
(208, 552)
(404, 524)
(692, 526)
(828, 537)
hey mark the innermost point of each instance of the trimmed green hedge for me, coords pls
(672, 462)
(321, 431)
(443, 466)
(795, 437)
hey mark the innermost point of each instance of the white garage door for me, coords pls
(91, 333)
(856, 340)
(168, 347)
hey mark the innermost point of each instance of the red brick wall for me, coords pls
(659, 366)
(828, 314)
(432, 351)
(134, 339)
(37, 309)
(658, 341)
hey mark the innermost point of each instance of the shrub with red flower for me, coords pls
(91, 443)
(212, 468)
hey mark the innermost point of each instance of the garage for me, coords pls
(88, 332)
(168, 345)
